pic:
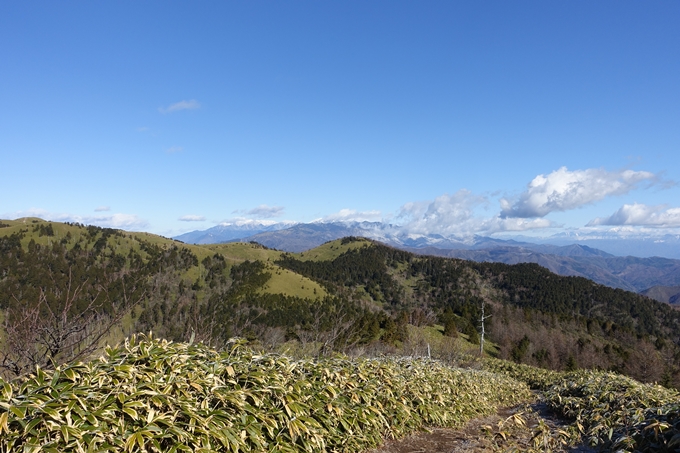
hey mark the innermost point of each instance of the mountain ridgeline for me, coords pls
(631, 273)
(442, 284)
(66, 289)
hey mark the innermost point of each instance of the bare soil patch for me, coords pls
(524, 428)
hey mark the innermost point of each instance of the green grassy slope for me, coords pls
(180, 279)
(348, 293)
(283, 281)
(332, 250)
(150, 395)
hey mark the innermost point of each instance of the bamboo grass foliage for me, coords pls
(158, 396)
(608, 411)
(617, 413)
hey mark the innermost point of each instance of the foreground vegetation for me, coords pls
(67, 289)
(159, 396)
(606, 410)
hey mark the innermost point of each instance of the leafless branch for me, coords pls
(42, 334)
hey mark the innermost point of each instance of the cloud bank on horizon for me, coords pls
(458, 214)
(122, 221)
(638, 214)
(559, 191)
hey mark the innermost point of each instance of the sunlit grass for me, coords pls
(286, 282)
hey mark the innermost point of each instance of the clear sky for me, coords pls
(449, 116)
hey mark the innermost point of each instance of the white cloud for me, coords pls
(265, 212)
(242, 221)
(174, 149)
(563, 190)
(118, 221)
(638, 214)
(181, 105)
(351, 215)
(499, 224)
(102, 208)
(455, 215)
(192, 218)
(122, 221)
(32, 212)
(446, 214)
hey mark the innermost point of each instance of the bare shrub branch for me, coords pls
(40, 333)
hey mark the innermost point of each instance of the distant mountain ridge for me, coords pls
(575, 259)
(629, 273)
(668, 294)
(303, 238)
(667, 245)
(230, 231)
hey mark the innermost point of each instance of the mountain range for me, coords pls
(226, 232)
(632, 273)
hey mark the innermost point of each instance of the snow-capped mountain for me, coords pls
(297, 237)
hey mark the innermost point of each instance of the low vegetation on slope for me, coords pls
(158, 396)
(606, 410)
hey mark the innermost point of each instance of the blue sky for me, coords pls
(485, 117)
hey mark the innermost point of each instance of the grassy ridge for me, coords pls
(333, 249)
(152, 395)
(283, 281)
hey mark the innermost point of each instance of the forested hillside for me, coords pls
(66, 289)
(536, 317)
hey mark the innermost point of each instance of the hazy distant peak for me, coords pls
(256, 222)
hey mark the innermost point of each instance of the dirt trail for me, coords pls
(522, 428)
